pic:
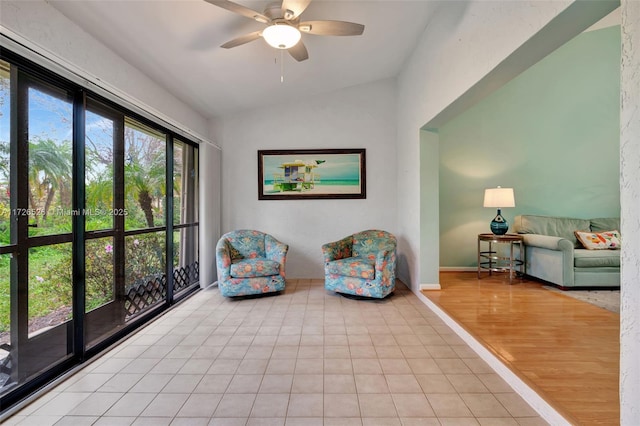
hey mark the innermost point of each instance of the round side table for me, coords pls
(492, 261)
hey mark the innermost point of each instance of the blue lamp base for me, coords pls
(499, 226)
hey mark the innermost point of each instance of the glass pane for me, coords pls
(50, 286)
(99, 273)
(178, 185)
(105, 312)
(6, 364)
(99, 133)
(145, 266)
(144, 176)
(196, 183)
(50, 161)
(5, 102)
(185, 258)
(185, 183)
(5, 301)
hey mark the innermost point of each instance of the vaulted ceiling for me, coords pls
(177, 44)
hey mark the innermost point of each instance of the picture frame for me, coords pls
(297, 174)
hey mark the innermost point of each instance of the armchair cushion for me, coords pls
(254, 268)
(353, 267)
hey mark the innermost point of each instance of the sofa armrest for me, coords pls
(560, 244)
(335, 250)
(276, 251)
(548, 242)
(223, 260)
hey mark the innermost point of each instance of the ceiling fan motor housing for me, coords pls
(274, 11)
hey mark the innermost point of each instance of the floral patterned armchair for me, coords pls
(250, 262)
(362, 264)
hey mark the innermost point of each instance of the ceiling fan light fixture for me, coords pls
(281, 36)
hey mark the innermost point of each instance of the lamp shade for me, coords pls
(499, 197)
(281, 36)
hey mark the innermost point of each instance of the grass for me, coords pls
(48, 291)
(50, 273)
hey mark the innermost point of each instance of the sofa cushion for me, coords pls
(602, 224)
(249, 268)
(352, 267)
(595, 258)
(599, 240)
(563, 227)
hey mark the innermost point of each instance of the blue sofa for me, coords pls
(362, 264)
(554, 254)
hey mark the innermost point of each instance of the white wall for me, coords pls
(630, 213)
(44, 26)
(461, 45)
(358, 117)
(210, 211)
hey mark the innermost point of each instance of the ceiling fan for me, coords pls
(284, 28)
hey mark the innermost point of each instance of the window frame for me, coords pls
(84, 100)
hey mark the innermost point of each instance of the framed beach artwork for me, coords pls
(311, 174)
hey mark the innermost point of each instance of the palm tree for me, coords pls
(50, 170)
(4, 161)
(145, 170)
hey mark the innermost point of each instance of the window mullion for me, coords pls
(169, 218)
(78, 203)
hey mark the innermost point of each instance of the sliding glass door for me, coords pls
(98, 224)
(37, 322)
(186, 270)
(104, 295)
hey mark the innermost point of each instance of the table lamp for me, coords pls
(499, 197)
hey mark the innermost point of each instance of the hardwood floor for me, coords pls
(565, 349)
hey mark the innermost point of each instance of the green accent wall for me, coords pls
(552, 134)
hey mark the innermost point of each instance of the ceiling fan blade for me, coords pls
(334, 28)
(299, 52)
(241, 10)
(293, 8)
(242, 39)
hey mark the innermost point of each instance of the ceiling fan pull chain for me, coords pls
(281, 66)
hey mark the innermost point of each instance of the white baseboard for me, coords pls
(458, 269)
(430, 287)
(212, 285)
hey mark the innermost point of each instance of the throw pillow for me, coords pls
(599, 240)
(233, 252)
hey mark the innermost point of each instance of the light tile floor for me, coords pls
(304, 357)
